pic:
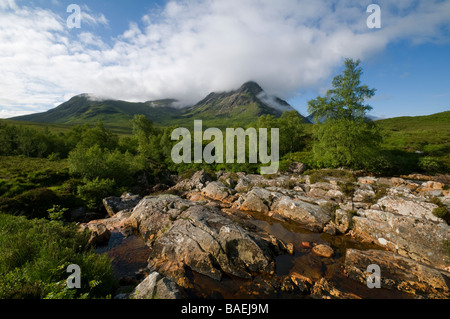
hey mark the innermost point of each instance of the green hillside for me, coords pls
(425, 135)
(226, 109)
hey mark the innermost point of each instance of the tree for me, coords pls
(147, 137)
(345, 137)
(291, 132)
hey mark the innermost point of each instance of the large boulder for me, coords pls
(154, 286)
(183, 233)
(420, 239)
(113, 205)
(257, 200)
(397, 272)
(217, 191)
(99, 233)
(310, 215)
(415, 207)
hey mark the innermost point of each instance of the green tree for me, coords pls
(291, 132)
(147, 137)
(345, 137)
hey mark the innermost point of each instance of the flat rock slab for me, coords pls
(420, 239)
(397, 272)
(183, 233)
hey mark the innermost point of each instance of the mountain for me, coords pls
(225, 109)
(85, 108)
(238, 107)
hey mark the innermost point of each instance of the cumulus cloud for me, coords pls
(190, 48)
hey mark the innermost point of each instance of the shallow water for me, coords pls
(130, 254)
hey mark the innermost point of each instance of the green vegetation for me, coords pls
(345, 137)
(441, 211)
(47, 170)
(34, 256)
(421, 142)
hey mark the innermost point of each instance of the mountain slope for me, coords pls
(83, 109)
(226, 109)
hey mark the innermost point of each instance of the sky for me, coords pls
(146, 50)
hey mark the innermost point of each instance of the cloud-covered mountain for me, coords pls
(223, 109)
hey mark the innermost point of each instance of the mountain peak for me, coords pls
(251, 87)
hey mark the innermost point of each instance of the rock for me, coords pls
(330, 229)
(409, 207)
(183, 233)
(156, 287)
(367, 180)
(296, 167)
(243, 184)
(167, 289)
(159, 188)
(113, 205)
(419, 239)
(196, 182)
(323, 289)
(303, 283)
(254, 203)
(100, 234)
(363, 194)
(398, 272)
(310, 215)
(217, 191)
(257, 200)
(323, 250)
(306, 244)
(342, 220)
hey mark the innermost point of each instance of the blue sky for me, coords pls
(144, 50)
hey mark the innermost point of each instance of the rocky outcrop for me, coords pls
(419, 239)
(184, 234)
(99, 233)
(207, 229)
(156, 287)
(197, 181)
(397, 272)
(113, 205)
(310, 215)
(217, 191)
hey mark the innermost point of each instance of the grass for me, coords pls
(34, 256)
(324, 175)
(428, 136)
(30, 186)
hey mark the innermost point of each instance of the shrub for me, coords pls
(95, 162)
(93, 191)
(442, 212)
(429, 165)
(33, 203)
(34, 255)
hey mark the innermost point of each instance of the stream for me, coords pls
(129, 254)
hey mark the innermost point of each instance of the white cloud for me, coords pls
(191, 48)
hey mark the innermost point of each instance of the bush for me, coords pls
(429, 165)
(442, 212)
(93, 191)
(34, 255)
(96, 162)
(33, 203)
